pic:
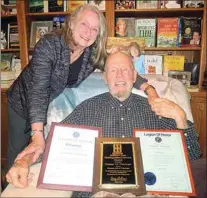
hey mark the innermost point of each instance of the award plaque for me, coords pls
(118, 166)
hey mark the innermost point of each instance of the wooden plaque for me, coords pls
(118, 166)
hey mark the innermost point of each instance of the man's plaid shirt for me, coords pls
(118, 119)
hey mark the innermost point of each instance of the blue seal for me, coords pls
(149, 178)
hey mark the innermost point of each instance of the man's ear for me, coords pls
(105, 79)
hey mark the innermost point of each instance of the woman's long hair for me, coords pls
(99, 54)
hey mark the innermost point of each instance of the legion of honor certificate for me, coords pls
(165, 162)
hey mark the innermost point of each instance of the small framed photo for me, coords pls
(38, 29)
(183, 76)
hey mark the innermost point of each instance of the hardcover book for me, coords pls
(167, 32)
(122, 44)
(172, 4)
(173, 63)
(13, 35)
(56, 6)
(153, 64)
(36, 6)
(73, 4)
(190, 31)
(193, 3)
(146, 28)
(128, 4)
(143, 4)
(125, 27)
(100, 4)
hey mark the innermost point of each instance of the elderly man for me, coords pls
(118, 112)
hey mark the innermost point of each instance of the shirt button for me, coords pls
(185, 134)
(188, 146)
(123, 136)
(121, 105)
(122, 118)
(112, 107)
(128, 108)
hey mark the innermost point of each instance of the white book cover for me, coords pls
(99, 4)
(146, 28)
(193, 3)
(153, 64)
(143, 4)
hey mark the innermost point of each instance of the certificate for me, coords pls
(165, 161)
(69, 158)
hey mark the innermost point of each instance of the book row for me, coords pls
(146, 4)
(162, 32)
(70, 5)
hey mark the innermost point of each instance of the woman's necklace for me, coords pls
(75, 55)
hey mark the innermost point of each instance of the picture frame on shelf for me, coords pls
(38, 29)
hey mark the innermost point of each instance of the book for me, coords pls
(6, 59)
(146, 28)
(190, 31)
(36, 6)
(193, 3)
(125, 27)
(13, 35)
(173, 62)
(122, 44)
(55, 5)
(73, 4)
(100, 4)
(153, 64)
(128, 4)
(141, 4)
(168, 32)
(172, 4)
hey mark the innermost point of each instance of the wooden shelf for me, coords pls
(10, 50)
(172, 49)
(47, 13)
(198, 12)
(8, 15)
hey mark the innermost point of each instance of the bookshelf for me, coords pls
(198, 54)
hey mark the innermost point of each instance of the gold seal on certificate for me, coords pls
(118, 166)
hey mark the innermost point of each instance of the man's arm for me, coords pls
(18, 173)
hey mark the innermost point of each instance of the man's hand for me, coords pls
(18, 174)
(37, 146)
(166, 108)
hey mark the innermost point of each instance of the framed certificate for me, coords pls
(166, 165)
(69, 158)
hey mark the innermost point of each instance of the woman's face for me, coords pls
(134, 51)
(122, 26)
(86, 28)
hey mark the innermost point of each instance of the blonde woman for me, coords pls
(60, 60)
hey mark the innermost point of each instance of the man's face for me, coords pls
(196, 36)
(120, 75)
(86, 28)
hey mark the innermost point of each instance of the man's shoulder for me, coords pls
(96, 100)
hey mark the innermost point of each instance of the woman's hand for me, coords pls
(18, 175)
(37, 147)
(152, 95)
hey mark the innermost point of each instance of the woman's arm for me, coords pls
(141, 83)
